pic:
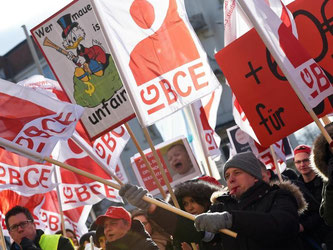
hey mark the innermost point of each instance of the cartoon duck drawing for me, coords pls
(89, 60)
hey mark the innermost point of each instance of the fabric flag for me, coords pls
(45, 210)
(210, 140)
(77, 190)
(107, 147)
(23, 175)
(159, 56)
(305, 75)
(34, 120)
(236, 23)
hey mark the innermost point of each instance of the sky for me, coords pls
(15, 13)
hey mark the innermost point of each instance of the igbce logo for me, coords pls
(36, 134)
(166, 65)
(311, 78)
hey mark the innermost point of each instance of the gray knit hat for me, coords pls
(245, 161)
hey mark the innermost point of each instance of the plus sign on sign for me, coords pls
(267, 99)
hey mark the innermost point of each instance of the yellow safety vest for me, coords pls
(49, 241)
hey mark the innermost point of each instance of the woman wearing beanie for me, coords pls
(263, 216)
(194, 197)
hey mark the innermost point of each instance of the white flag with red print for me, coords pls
(77, 190)
(210, 140)
(302, 72)
(160, 59)
(19, 173)
(45, 210)
(34, 120)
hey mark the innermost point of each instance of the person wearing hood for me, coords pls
(123, 233)
(263, 216)
(323, 162)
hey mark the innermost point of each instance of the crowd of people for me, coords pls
(264, 212)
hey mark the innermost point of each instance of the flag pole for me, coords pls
(276, 162)
(33, 155)
(59, 203)
(326, 120)
(87, 148)
(159, 164)
(286, 72)
(3, 242)
(145, 160)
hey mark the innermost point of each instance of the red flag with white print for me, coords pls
(45, 211)
(236, 23)
(34, 120)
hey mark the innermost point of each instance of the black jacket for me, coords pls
(136, 238)
(63, 243)
(265, 217)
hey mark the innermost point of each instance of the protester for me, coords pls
(158, 235)
(323, 162)
(123, 233)
(314, 232)
(22, 229)
(70, 235)
(263, 216)
(193, 197)
(179, 161)
(85, 239)
(100, 237)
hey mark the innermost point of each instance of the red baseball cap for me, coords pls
(114, 213)
(302, 149)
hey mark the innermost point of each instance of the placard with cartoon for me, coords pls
(178, 162)
(75, 48)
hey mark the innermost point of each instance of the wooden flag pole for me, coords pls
(3, 242)
(285, 71)
(59, 203)
(98, 160)
(145, 160)
(276, 162)
(326, 120)
(159, 164)
(33, 155)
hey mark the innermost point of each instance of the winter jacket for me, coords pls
(44, 242)
(323, 162)
(200, 191)
(265, 217)
(136, 238)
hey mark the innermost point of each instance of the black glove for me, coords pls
(213, 222)
(133, 194)
(28, 244)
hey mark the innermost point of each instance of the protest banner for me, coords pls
(177, 160)
(158, 55)
(76, 50)
(272, 104)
